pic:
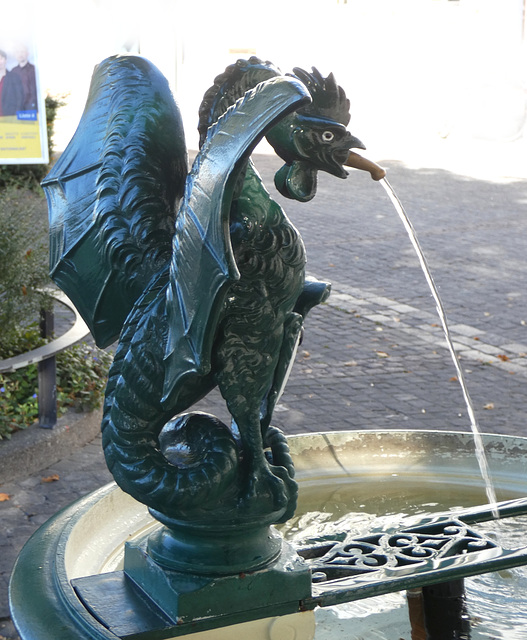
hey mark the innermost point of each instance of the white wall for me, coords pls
(411, 68)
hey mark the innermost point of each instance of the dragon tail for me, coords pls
(175, 465)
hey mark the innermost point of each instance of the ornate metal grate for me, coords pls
(410, 547)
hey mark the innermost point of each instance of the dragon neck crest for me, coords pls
(310, 140)
(329, 100)
(229, 86)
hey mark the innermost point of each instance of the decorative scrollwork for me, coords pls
(409, 547)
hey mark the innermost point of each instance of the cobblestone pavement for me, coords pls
(374, 356)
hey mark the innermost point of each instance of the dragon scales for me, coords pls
(200, 277)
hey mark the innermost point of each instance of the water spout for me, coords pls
(480, 451)
(357, 161)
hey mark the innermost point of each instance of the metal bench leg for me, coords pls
(439, 612)
(445, 611)
(416, 613)
(47, 378)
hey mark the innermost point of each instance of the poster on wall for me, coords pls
(23, 136)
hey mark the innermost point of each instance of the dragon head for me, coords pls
(314, 138)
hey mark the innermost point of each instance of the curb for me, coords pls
(33, 449)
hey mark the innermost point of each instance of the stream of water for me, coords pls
(480, 451)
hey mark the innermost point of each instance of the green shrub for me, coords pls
(23, 262)
(82, 372)
(82, 369)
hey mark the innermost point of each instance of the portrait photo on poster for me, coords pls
(23, 134)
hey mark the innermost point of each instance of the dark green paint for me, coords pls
(203, 274)
(185, 597)
(58, 610)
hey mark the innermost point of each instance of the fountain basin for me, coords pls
(359, 480)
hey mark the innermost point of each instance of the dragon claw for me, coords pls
(279, 451)
(271, 488)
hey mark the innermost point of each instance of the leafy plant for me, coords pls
(53, 104)
(82, 371)
(23, 262)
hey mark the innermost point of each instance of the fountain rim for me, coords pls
(55, 608)
(391, 449)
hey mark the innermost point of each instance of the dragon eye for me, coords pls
(328, 136)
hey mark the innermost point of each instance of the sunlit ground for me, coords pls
(432, 83)
(482, 159)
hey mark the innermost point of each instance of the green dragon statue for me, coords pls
(201, 276)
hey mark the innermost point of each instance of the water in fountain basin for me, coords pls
(358, 506)
(480, 451)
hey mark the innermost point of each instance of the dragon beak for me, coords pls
(355, 143)
(360, 162)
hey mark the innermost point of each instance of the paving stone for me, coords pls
(465, 330)
(478, 260)
(515, 348)
(403, 308)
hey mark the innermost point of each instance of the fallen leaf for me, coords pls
(476, 338)
(489, 405)
(454, 379)
(382, 354)
(503, 357)
(4, 497)
(306, 354)
(52, 478)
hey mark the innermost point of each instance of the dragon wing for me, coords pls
(203, 265)
(112, 194)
